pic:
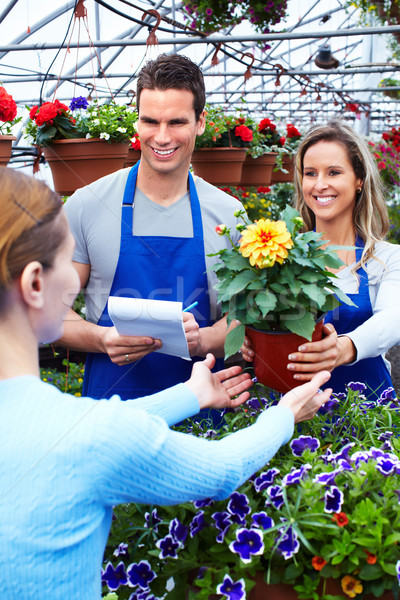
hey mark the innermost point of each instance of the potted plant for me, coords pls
(221, 150)
(81, 142)
(321, 521)
(275, 283)
(8, 118)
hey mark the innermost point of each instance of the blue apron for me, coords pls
(371, 371)
(161, 268)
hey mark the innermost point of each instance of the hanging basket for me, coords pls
(258, 171)
(219, 166)
(5, 149)
(77, 162)
(133, 157)
(271, 351)
(281, 177)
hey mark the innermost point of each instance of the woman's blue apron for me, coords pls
(371, 371)
(160, 268)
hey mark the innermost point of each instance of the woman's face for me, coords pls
(61, 286)
(329, 182)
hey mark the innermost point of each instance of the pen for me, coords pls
(190, 306)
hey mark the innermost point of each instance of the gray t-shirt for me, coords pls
(94, 215)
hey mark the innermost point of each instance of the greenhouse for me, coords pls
(199, 279)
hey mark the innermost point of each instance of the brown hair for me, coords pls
(370, 216)
(29, 228)
(173, 71)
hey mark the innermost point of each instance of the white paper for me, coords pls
(159, 319)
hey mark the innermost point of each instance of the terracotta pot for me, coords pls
(78, 162)
(219, 166)
(133, 157)
(258, 171)
(271, 350)
(283, 591)
(5, 148)
(281, 177)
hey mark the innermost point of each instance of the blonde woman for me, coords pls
(66, 461)
(339, 193)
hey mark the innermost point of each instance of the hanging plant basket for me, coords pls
(133, 157)
(282, 177)
(219, 166)
(258, 171)
(271, 351)
(5, 149)
(75, 163)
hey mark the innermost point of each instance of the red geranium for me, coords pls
(135, 142)
(266, 125)
(48, 112)
(244, 133)
(292, 131)
(263, 190)
(8, 107)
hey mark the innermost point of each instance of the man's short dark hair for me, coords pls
(173, 71)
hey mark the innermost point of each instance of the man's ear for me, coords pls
(32, 285)
(201, 123)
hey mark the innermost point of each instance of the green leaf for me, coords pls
(392, 538)
(315, 293)
(389, 568)
(370, 572)
(303, 326)
(266, 301)
(293, 571)
(234, 340)
(239, 283)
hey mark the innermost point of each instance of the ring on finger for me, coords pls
(126, 357)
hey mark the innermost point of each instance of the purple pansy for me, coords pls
(261, 519)
(275, 496)
(295, 475)
(344, 465)
(152, 520)
(233, 590)
(248, 542)
(78, 102)
(168, 546)
(328, 406)
(356, 386)
(385, 465)
(198, 523)
(385, 436)
(114, 577)
(326, 478)
(238, 506)
(222, 523)
(178, 531)
(265, 479)
(140, 574)
(302, 443)
(288, 544)
(333, 499)
(203, 503)
(122, 549)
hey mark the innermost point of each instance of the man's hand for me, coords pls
(218, 390)
(192, 332)
(123, 349)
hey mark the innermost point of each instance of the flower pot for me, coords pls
(281, 177)
(133, 157)
(258, 171)
(271, 351)
(77, 162)
(284, 591)
(5, 148)
(219, 166)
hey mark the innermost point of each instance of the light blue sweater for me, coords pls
(66, 461)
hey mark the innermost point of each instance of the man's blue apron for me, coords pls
(371, 371)
(160, 268)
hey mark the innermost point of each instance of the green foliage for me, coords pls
(69, 381)
(220, 128)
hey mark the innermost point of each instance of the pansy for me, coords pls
(152, 520)
(169, 547)
(295, 475)
(114, 577)
(288, 543)
(198, 523)
(122, 549)
(385, 465)
(275, 494)
(140, 574)
(222, 523)
(248, 542)
(233, 590)
(302, 443)
(265, 479)
(326, 478)
(356, 386)
(333, 499)
(238, 505)
(261, 519)
(177, 530)
(203, 503)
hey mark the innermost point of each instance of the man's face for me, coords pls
(167, 129)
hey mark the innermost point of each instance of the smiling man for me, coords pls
(146, 232)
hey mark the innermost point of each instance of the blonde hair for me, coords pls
(29, 229)
(370, 216)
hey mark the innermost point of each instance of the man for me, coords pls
(161, 251)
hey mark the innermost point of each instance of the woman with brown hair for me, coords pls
(66, 461)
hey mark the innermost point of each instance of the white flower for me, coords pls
(88, 136)
(104, 136)
(96, 122)
(121, 129)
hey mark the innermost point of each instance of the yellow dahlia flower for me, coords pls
(265, 242)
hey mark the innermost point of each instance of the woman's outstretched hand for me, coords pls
(306, 399)
(224, 389)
